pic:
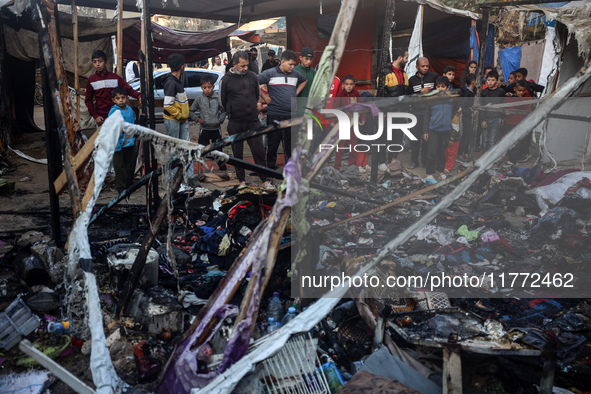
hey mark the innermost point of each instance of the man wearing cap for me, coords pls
(271, 61)
(305, 68)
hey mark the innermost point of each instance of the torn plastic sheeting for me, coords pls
(182, 373)
(31, 382)
(442, 235)
(384, 364)
(103, 373)
(553, 193)
(27, 157)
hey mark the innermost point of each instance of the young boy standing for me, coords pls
(491, 122)
(450, 73)
(176, 106)
(519, 153)
(349, 95)
(437, 127)
(99, 87)
(209, 114)
(123, 158)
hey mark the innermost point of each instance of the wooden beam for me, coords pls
(452, 370)
(396, 202)
(120, 38)
(78, 162)
(51, 54)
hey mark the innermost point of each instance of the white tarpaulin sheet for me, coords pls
(415, 47)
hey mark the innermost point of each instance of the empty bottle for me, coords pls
(291, 314)
(275, 309)
(271, 325)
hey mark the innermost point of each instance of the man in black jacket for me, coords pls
(239, 93)
(422, 82)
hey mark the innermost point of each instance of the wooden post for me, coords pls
(76, 59)
(51, 55)
(548, 370)
(479, 71)
(120, 38)
(452, 370)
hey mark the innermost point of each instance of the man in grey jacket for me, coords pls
(209, 114)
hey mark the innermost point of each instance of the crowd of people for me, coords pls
(251, 96)
(444, 132)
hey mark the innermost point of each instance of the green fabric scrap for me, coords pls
(469, 235)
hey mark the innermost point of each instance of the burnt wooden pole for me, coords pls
(479, 71)
(56, 84)
(389, 25)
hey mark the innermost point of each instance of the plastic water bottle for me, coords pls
(275, 309)
(291, 314)
(271, 325)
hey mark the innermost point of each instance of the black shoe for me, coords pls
(224, 176)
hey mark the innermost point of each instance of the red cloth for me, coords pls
(514, 119)
(302, 31)
(450, 155)
(98, 92)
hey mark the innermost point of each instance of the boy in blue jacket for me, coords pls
(123, 158)
(437, 128)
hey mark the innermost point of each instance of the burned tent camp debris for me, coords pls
(202, 294)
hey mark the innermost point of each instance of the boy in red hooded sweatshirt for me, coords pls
(349, 95)
(99, 87)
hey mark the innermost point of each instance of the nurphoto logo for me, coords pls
(402, 121)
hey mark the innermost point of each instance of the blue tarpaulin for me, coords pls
(510, 60)
(490, 45)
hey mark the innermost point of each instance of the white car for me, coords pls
(191, 81)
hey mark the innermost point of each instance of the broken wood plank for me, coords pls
(78, 162)
(396, 202)
(452, 370)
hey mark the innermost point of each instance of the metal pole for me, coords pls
(479, 71)
(76, 60)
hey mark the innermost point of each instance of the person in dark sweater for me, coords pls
(239, 93)
(437, 128)
(532, 87)
(468, 92)
(450, 72)
(491, 121)
(520, 152)
(422, 82)
(271, 61)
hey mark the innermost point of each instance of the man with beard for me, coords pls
(397, 80)
(239, 93)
